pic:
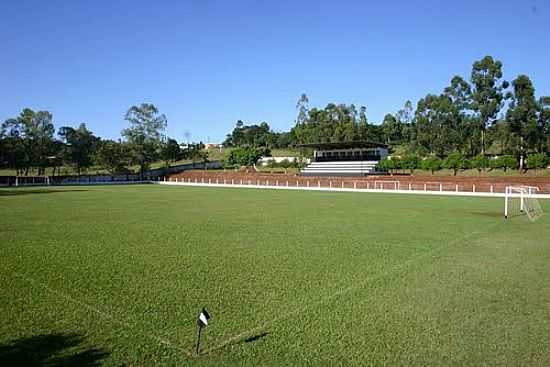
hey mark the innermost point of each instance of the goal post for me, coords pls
(520, 200)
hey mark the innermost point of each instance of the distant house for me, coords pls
(212, 145)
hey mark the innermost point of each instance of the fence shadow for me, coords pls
(57, 349)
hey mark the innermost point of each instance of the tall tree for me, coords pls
(145, 133)
(302, 106)
(522, 116)
(487, 94)
(80, 146)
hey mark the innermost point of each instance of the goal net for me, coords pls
(520, 200)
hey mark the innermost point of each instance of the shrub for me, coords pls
(245, 156)
(431, 163)
(479, 162)
(536, 161)
(504, 162)
(410, 162)
(454, 161)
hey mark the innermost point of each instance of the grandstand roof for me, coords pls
(343, 145)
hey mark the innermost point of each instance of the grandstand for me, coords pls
(358, 158)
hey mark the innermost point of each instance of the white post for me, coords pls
(16, 181)
(176, 179)
(297, 183)
(342, 184)
(258, 182)
(196, 180)
(368, 185)
(456, 188)
(506, 203)
(249, 182)
(424, 187)
(521, 200)
(267, 182)
(330, 184)
(409, 186)
(286, 183)
(491, 188)
(319, 183)
(473, 188)
(440, 186)
(202, 179)
(277, 183)
(307, 183)
(354, 185)
(209, 181)
(217, 180)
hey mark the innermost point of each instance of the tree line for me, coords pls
(483, 116)
(29, 142)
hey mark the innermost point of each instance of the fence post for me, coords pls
(319, 183)
(368, 185)
(355, 185)
(491, 189)
(330, 184)
(286, 183)
(297, 183)
(307, 183)
(473, 188)
(209, 181)
(424, 187)
(440, 186)
(409, 186)
(342, 184)
(457, 188)
(277, 183)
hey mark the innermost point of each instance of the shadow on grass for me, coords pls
(253, 338)
(17, 192)
(50, 350)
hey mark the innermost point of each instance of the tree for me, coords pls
(454, 161)
(487, 94)
(410, 162)
(145, 133)
(522, 116)
(537, 161)
(302, 108)
(245, 156)
(113, 156)
(479, 162)
(505, 162)
(80, 146)
(170, 151)
(431, 163)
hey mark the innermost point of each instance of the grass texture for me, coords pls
(117, 276)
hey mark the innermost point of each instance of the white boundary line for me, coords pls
(338, 189)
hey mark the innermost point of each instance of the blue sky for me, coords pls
(206, 64)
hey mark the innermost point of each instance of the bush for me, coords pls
(390, 164)
(431, 164)
(245, 156)
(454, 161)
(479, 162)
(536, 161)
(504, 162)
(410, 162)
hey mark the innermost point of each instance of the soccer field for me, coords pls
(117, 276)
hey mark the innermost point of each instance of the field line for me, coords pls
(247, 333)
(101, 313)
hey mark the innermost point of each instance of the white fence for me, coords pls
(315, 185)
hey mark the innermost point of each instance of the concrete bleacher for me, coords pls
(340, 168)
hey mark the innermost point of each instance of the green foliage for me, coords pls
(410, 162)
(170, 151)
(245, 156)
(454, 161)
(432, 164)
(113, 156)
(504, 162)
(479, 162)
(537, 161)
(145, 133)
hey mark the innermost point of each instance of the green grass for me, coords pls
(117, 275)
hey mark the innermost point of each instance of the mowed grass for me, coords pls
(117, 276)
